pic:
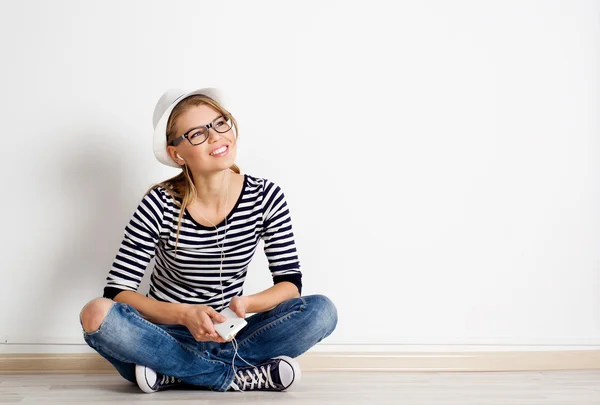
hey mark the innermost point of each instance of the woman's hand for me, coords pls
(198, 320)
(239, 305)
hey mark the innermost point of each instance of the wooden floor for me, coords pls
(344, 388)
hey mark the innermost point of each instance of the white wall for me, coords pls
(440, 159)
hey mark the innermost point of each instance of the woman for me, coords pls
(203, 227)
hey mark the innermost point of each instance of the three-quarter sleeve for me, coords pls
(138, 245)
(278, 237)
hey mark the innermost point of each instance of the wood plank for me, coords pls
(92, 363)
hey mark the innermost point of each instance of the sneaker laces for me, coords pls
(239, 379)
(255, 376)
(169, 380)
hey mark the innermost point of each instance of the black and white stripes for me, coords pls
(192, 276)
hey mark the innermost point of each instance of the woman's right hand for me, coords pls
(198, 319)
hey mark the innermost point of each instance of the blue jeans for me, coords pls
(125, 339)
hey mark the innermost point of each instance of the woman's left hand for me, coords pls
(239, 305)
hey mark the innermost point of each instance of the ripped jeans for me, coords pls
(125, 339)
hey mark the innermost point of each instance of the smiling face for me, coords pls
(219, 150)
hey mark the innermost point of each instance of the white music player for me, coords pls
(232, 325)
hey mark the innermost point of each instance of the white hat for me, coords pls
(162, 112)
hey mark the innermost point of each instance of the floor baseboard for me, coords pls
(92, 363)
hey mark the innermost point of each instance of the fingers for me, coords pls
(206, 337)
(205, 331)
(219, 339)
(211, 312)
(207, 324)
(203, 336)
(212, 336)
(202, 327)
(236, 309)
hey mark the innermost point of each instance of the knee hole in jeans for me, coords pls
(93, 313)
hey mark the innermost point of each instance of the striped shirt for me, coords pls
(192, 275)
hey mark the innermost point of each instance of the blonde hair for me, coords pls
(182, 186)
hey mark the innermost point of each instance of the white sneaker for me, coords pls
(150, 381)
(277, 374)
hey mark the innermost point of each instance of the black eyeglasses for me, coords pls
(199, 135)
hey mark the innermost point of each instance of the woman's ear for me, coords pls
(175, 156)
